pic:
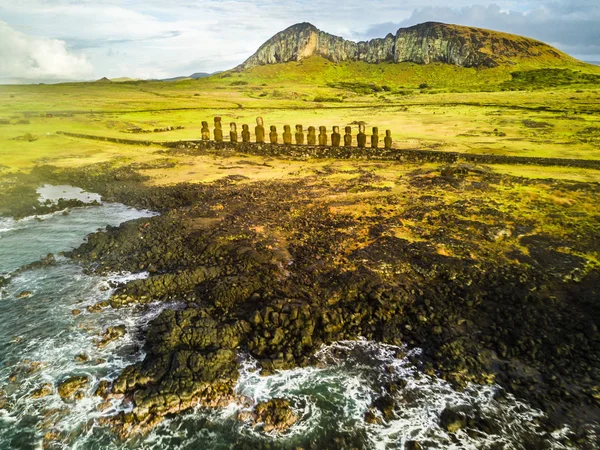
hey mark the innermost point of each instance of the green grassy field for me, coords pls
(520, 110)
(491, 269)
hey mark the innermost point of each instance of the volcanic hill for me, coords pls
(422, 44)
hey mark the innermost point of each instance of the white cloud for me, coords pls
(37, 58)
(157, 39)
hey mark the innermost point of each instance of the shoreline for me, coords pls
(272, 268)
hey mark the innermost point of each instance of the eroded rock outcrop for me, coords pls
(72, 388)
(422, 44)
(275, 415)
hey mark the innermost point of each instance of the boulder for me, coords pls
(372, 418)
(43, 391)
(82, 358)
(274, 415)
(69, 388)
(452, 421)
(111, 334)
(103, 389)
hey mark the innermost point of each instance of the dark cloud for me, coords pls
(571, 26)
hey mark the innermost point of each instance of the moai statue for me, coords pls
(388, 139)
(361, 137)
(273, 134)
(205, 131)
(375, 138)
(348, 137)
(245, 133)
(218, 130)
(322, 136)
(259, 131)
(299, 135)
(311, 139)
(336, 137)
(287, 135)
(233, 136)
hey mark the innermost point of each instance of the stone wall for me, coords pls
(110, 139)
(313, 151)
(309, 151)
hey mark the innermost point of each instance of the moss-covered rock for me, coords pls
(71, 387)
(454, 264)
(111, 334)
(274, 415)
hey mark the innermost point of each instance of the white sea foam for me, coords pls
(352, 374)
(56, 352)
(40, 338)
(7, 224)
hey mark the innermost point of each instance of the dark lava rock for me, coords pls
(71, 387)
(98, 307)
(111, 334)
(385, 404)
(542, 249)
(452, 421)
(82, 358)
(103, 389)
(274, 415)
(412, 445)
(46, 261)
(273, 268)
(43, 391)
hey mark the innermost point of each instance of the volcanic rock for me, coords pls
(71, 386)
(424, 43)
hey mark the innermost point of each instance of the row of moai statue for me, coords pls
(311, 137)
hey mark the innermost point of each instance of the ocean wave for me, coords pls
(42, 343)
(49, 354)
(331, 400)
(353, 374)
(7, 224)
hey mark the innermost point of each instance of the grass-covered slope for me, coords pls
(295, 81)
(319, 71)
(523, 109)
(424, 43)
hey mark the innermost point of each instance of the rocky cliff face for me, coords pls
(423, 44)
(301, 41)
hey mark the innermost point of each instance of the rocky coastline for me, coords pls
(275, 269)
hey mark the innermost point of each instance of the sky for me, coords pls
(56, 40)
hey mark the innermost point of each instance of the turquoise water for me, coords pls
(40, 339)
